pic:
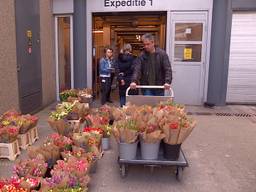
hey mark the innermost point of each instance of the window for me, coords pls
(188, 42)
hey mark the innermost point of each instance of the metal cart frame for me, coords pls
(180, 163)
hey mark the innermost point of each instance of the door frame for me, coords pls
(57, 51)
(89, 35)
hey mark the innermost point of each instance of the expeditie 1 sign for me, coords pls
(127, 3)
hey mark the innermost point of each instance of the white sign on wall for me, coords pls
(146, 5)
(127, 3)
(63, 6)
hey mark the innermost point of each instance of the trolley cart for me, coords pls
(179, 164)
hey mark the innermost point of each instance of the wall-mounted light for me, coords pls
(138, 37)
(97, 31)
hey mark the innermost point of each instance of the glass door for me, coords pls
(64, 53)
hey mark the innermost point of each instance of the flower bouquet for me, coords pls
(150, 136)
(80, 109)
(30, 168)
(64, 143)
(76, 152)
(13, 118)
(118, 113)
(15, 184)
(7, 186)
(49, 152)
(66, 175)
(64, 95)
(174, 123)
(176, 126)
(106, 130)
(26, 122)
(96, 120)
(8, 134)
(88, 138)
(85, 95)
(127, 111)
(30, 183)
(10, 113)
(81, 154)
(126, 131)
(58, 119)
(151, 133)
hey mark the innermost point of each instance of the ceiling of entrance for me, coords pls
(130, 27)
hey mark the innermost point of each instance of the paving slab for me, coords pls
(221, 153)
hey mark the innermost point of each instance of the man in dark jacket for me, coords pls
(152, 67)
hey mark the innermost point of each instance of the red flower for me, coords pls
(2, 184)
(12, 130)
(91, 129)
(174, 125)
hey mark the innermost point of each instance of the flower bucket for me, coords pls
(171, 152)
(105, 143)
(128, 151)
(93, 167)
(149, 151)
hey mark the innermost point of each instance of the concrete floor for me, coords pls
(221, 154)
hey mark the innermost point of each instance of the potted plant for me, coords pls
(176, 127)
(58, 119)
(8, 134)
(105, 142)
(126, 133)
(64, 95)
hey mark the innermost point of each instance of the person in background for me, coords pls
(105, 70)
(125, 65)
(152, 67)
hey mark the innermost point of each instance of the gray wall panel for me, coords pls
(29, 73)
(80, 44)
(244, 4)
(219, 59)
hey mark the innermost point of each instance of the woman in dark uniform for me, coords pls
(125, 64)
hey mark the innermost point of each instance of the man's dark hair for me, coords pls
(107, 48)
(148, 36)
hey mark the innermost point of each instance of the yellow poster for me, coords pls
(187, 53)
(29, 34)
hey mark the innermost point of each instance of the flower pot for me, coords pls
(128, 151)
(171, 152)
(149, 151)
(93, 167)
(105, 143)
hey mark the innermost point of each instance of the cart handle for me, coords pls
(150, 87)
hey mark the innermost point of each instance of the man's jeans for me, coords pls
(153, 92)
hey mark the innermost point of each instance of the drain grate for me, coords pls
(235, 114)
(223, 114)
(251, 117)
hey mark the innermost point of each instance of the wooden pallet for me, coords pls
(33, 134)
(9, 150)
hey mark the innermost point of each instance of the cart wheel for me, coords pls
(179, 173)
(123, 170)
